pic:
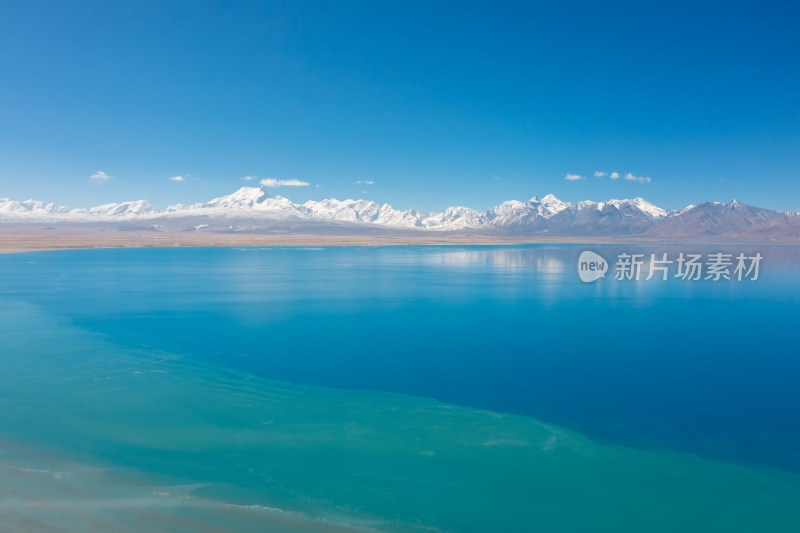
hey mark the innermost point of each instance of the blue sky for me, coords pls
(434, 103)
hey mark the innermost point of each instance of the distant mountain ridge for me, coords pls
(253, 209)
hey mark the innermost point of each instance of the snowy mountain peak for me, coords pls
(549, 199)
(253, 199)
(651, 209)
(552, 205)
(139, 207)
(244, 198)
(646, 207)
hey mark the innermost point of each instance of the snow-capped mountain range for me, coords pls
(255, 201)
(250, 208)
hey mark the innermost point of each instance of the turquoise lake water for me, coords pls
(459, 389)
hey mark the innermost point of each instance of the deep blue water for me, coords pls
(709, 368)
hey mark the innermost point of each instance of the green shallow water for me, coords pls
(136, 432)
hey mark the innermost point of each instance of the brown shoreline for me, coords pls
(27, 240)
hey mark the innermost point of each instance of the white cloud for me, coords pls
(640, 179)
(496, 178)
(613, 176)
(249, 178)
(573, 177)
(364, 182)
(177, 178)
(100, 176)
(272, 182)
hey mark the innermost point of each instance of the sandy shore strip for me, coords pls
(27, 239)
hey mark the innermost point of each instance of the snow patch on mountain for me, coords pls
(139, 207)
(29, 207)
